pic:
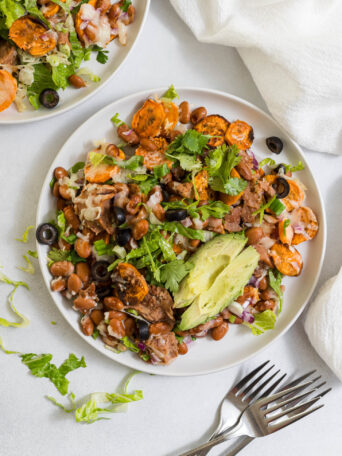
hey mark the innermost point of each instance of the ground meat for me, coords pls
(162, 348)
(156, 306)
(184, 190)
(265, 187)
(178, 173)
(216, 225)
(245, 166)
(8, 53)
(233, 219)
(106, 219)
(252, 196)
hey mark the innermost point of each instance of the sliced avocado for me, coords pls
(209, 260)
(228, 285)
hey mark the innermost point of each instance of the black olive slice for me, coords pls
(99, 271)
(102, 292)
(282, 187)
(123, 236)
(47, 234)
(49, 98)
(280, 169)
(119, 215)
(176, 214)
(275, 144)
(143, 330)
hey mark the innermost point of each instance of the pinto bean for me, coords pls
(60, 172)
(129, 326)
(269, 293)
(74, 283)
(84, 304)
(128, 135)
(76, 81)
(261, 306)
(114, 151)
(173, 134)
(220, 331)
(117, 328)
(71, 218)
(83, 272)
(111, 302)
(55, 189)
(62, 268)
(65, 192)
(254, 235)
(140, 229)
(90, 31)
(263, 284)
(159, 328)
(58, 284)
(182, 349)
(147, 144)
(114, 11)
(197, 115)
(83, 248)
(60, 204)
(133, 204)
(184, 112)
(97, 316)
(87, 325)
(117, 315)
(103, 6)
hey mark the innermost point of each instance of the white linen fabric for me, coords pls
(293, 50)
(323, 323)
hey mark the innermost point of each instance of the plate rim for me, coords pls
(323, 228)
(53, 114)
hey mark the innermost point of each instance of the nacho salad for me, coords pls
(177, 232)
(44, 42)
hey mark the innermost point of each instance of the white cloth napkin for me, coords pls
(323, 323)
(293, 49)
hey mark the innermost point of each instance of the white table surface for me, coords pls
(175, 412)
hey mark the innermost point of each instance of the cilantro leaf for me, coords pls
(262, 322)
(177, 227)
(171, 274)
(102, 54)
(216, 209)
(187, 148)
(275, 277)
(221, 162)
(171, 93)
(77, 166)
(125, 5)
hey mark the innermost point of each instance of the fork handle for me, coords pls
(209, 445)
(238, 445)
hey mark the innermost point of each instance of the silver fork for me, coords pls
(259, 418)
(238, 399)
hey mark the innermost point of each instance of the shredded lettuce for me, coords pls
(42, 80)
(294, 168)
(11, 10)
(89, 74)
(16, 284)
(171, 93)
(267, 161)
(130, 345)
(275, 277)
(71, 398)
(40, 366)
(29, 268)
(262, 322)
(24, 237)
(8, 352)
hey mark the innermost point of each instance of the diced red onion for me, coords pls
(247, 317)
(235, 308)
(141, 346)
(299, 229)
(44, 36)
(188, 340)
(186, 222)
(84, 25)
(126, 133)
(255, 161)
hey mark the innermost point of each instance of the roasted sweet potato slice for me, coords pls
(156, 157)
(303, 219)
(286, 259)
(50, 9)
(8, 89)
(149, 119)
(285, 232)
(215, 126)
(296, 194)
(104, 171)
(171, 117)
(203, 192)
(229, 199)
(241, 134)
(31, 36)
(131, 286)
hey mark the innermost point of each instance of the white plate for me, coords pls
(205, 355)
(70, 97)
